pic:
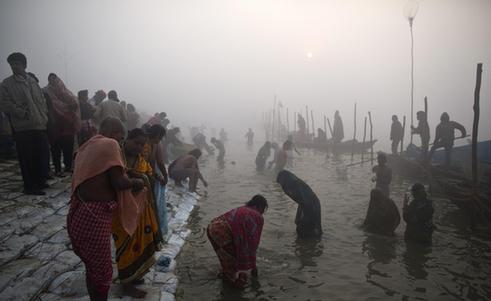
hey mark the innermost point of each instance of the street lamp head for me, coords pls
(410, 10)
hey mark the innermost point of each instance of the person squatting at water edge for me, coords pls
(100, 186)
(382, 215)
(383, 174)
(235, 237)
(186, 166)
(308, 218)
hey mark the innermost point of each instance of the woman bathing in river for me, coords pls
(235, 238)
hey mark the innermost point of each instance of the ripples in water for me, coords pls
(346, 263)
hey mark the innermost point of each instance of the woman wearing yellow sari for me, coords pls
(135, 253)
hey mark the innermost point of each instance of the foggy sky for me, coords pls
(220, 62)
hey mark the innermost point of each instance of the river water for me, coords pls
(346, 263)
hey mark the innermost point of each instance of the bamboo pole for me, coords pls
(330, 128)
(273, 119)
(371, 136)
(313, 126)
(287, 122)
(354, 135)
(325, 125)
(294, 122)
(403, 133)
(475, 124)
(364, 138)
(307, 119)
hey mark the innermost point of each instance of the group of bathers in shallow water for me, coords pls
(235, 235)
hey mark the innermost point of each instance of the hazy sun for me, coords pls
(309, 55)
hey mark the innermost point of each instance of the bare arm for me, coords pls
(120, 181)
(461, 128)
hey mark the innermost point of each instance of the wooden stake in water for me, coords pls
(364, 139)
(273, 119)
(426, 107)
(330, 128)
(307, 119)
(287, 122)
(475, 124)
(403, 132)
(354, 135)
(325, 125)
(312, 119)
(371, 136)
(294, 122)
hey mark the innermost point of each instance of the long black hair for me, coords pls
(258, 201)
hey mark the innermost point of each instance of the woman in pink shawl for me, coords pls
(64, 122)
(235, 238)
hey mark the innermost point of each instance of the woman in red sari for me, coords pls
(235, 238)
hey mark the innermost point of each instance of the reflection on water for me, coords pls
(345, 263)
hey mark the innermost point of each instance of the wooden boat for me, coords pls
(340, 148)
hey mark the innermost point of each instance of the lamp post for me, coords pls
(410, 11)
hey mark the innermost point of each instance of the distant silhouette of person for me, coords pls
(338, 130)
(382, 215)
(250, 137)
(308, 218)
(223, 136)
(445, 136)
(396, 134)
(221, 148)
(423, 130)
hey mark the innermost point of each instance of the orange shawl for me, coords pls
(98, 155)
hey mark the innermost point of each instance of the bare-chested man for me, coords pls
(282, 156)
(98, 177)
(186, 166)
(383, 174)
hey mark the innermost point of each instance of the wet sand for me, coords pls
(346, 263)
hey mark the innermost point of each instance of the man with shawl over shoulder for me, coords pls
(100, 186)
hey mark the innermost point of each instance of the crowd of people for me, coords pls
(118, 166)
(120, 175)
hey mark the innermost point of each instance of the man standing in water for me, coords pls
(185, 167)
(221, 148)
(282, 156)
(423, 130)
(445, 136)
(308, 218)
(99, 179)
(262, 155)
(250, 137)
(396, 134)
(418, 215)
(383, 174)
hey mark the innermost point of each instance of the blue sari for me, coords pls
(159, 191)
